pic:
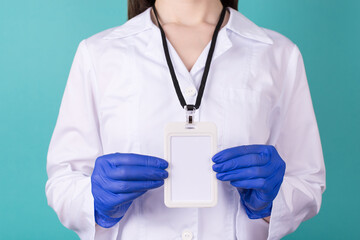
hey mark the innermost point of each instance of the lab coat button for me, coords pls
(186, 235)
(190, 91)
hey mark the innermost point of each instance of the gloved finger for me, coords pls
(241, 190)
(245, 173)
(120, 159)
(118, 211)
(244, 191)
(257, 183)
(243, 161)
(274, 181)
(107, 201)
(131, 186)
(124, 198)
(137, 173)
(234, 152)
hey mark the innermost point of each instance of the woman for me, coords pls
(105, 161)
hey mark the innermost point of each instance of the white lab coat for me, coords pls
(119, 96)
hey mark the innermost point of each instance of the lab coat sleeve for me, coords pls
(73, 149)
(298, 143)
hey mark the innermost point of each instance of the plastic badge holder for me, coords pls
(191, 181)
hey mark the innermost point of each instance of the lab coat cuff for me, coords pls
(279, 225)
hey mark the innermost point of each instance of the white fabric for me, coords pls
(119, 96)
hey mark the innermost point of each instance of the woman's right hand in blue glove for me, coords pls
(118, 179)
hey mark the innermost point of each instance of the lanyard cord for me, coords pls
(207, 65)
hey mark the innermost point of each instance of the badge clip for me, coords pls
(190, 116)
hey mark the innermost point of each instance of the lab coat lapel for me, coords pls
(238, 24)
(155, 51)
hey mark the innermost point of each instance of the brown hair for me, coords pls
(136, 7)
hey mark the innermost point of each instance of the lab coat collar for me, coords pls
(238, 23)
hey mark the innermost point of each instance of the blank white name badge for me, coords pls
(192, 181)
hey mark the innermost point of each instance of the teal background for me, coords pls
(38, 40)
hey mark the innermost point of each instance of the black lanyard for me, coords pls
(207, 65)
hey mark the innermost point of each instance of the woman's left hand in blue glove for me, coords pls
(257, 172)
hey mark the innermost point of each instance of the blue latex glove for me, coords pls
(118, 179)
(257, 172)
